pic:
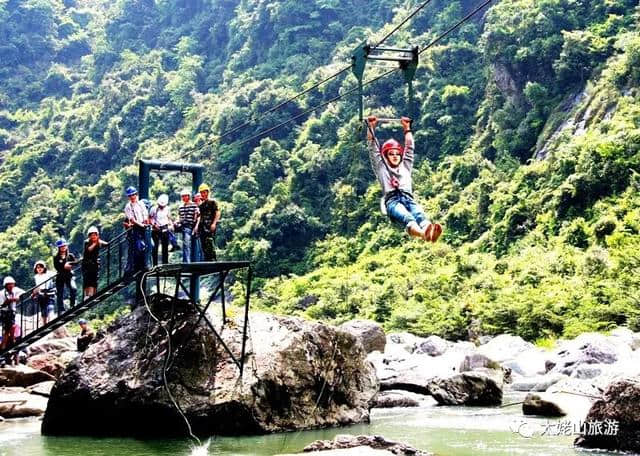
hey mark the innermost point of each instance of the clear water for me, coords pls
(445, 431)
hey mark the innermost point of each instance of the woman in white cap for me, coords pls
(161, 224)
(91, 261)
(8, 301)
(45, 290)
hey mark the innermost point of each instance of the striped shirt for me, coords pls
(188, 214)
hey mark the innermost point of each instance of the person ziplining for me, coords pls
(393, 165)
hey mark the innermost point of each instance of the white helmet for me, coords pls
(163, 200)
(92, 229)
(39, 263)
(185, 191)
(7, 280)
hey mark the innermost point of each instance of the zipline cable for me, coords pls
(274, 108)
(452, 28)
(327, 79)
(406, 19)
(349, 92)
(315, 86)
(331, 100)
(289, 100)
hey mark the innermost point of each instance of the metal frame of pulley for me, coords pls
(407, 61)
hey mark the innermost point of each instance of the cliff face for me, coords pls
(297, 375)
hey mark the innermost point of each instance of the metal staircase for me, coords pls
(113, 278)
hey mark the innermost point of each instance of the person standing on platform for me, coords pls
(137, 218)
(91, 261)
(188, 214)
(161, 224)
(45, 290)
(209, 217)
(9, 299)
(63, 262)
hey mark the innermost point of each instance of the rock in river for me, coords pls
(468, 388)
(362, 443)
(298, 375)
(615, 419)
(370, 334)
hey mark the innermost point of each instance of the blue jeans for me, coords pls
(61, 284)
(186, 244)
(401, 208)
(136, 253)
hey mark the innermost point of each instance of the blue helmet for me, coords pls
(131, 191)
(61, 242)
(82, 321)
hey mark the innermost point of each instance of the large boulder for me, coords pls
(52, 353)
(613, 422)
(369, 332)
(22, 376)
(574, 396)
(398, 398)
(53, 363)
(51, 345)
(414, 372)
(364, 442)
(505, 347)
(432, 346)
(528, 363)
(628, 336)
(297, 375)
(467, 388)
(588, 348)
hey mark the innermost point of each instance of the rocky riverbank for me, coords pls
(25, 388)
(593, 378)
(308, 375)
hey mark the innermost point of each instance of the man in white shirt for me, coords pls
(137, 218)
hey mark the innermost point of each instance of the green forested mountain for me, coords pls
(527, 131)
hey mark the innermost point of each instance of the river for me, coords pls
(445, 431)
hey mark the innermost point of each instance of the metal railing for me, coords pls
(113, 262)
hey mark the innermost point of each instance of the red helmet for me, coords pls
(392, 144)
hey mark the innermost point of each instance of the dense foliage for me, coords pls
(527, 131)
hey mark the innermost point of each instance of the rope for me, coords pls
(406, 19)
(166, 359)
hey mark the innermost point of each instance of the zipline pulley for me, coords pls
(407, 61)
